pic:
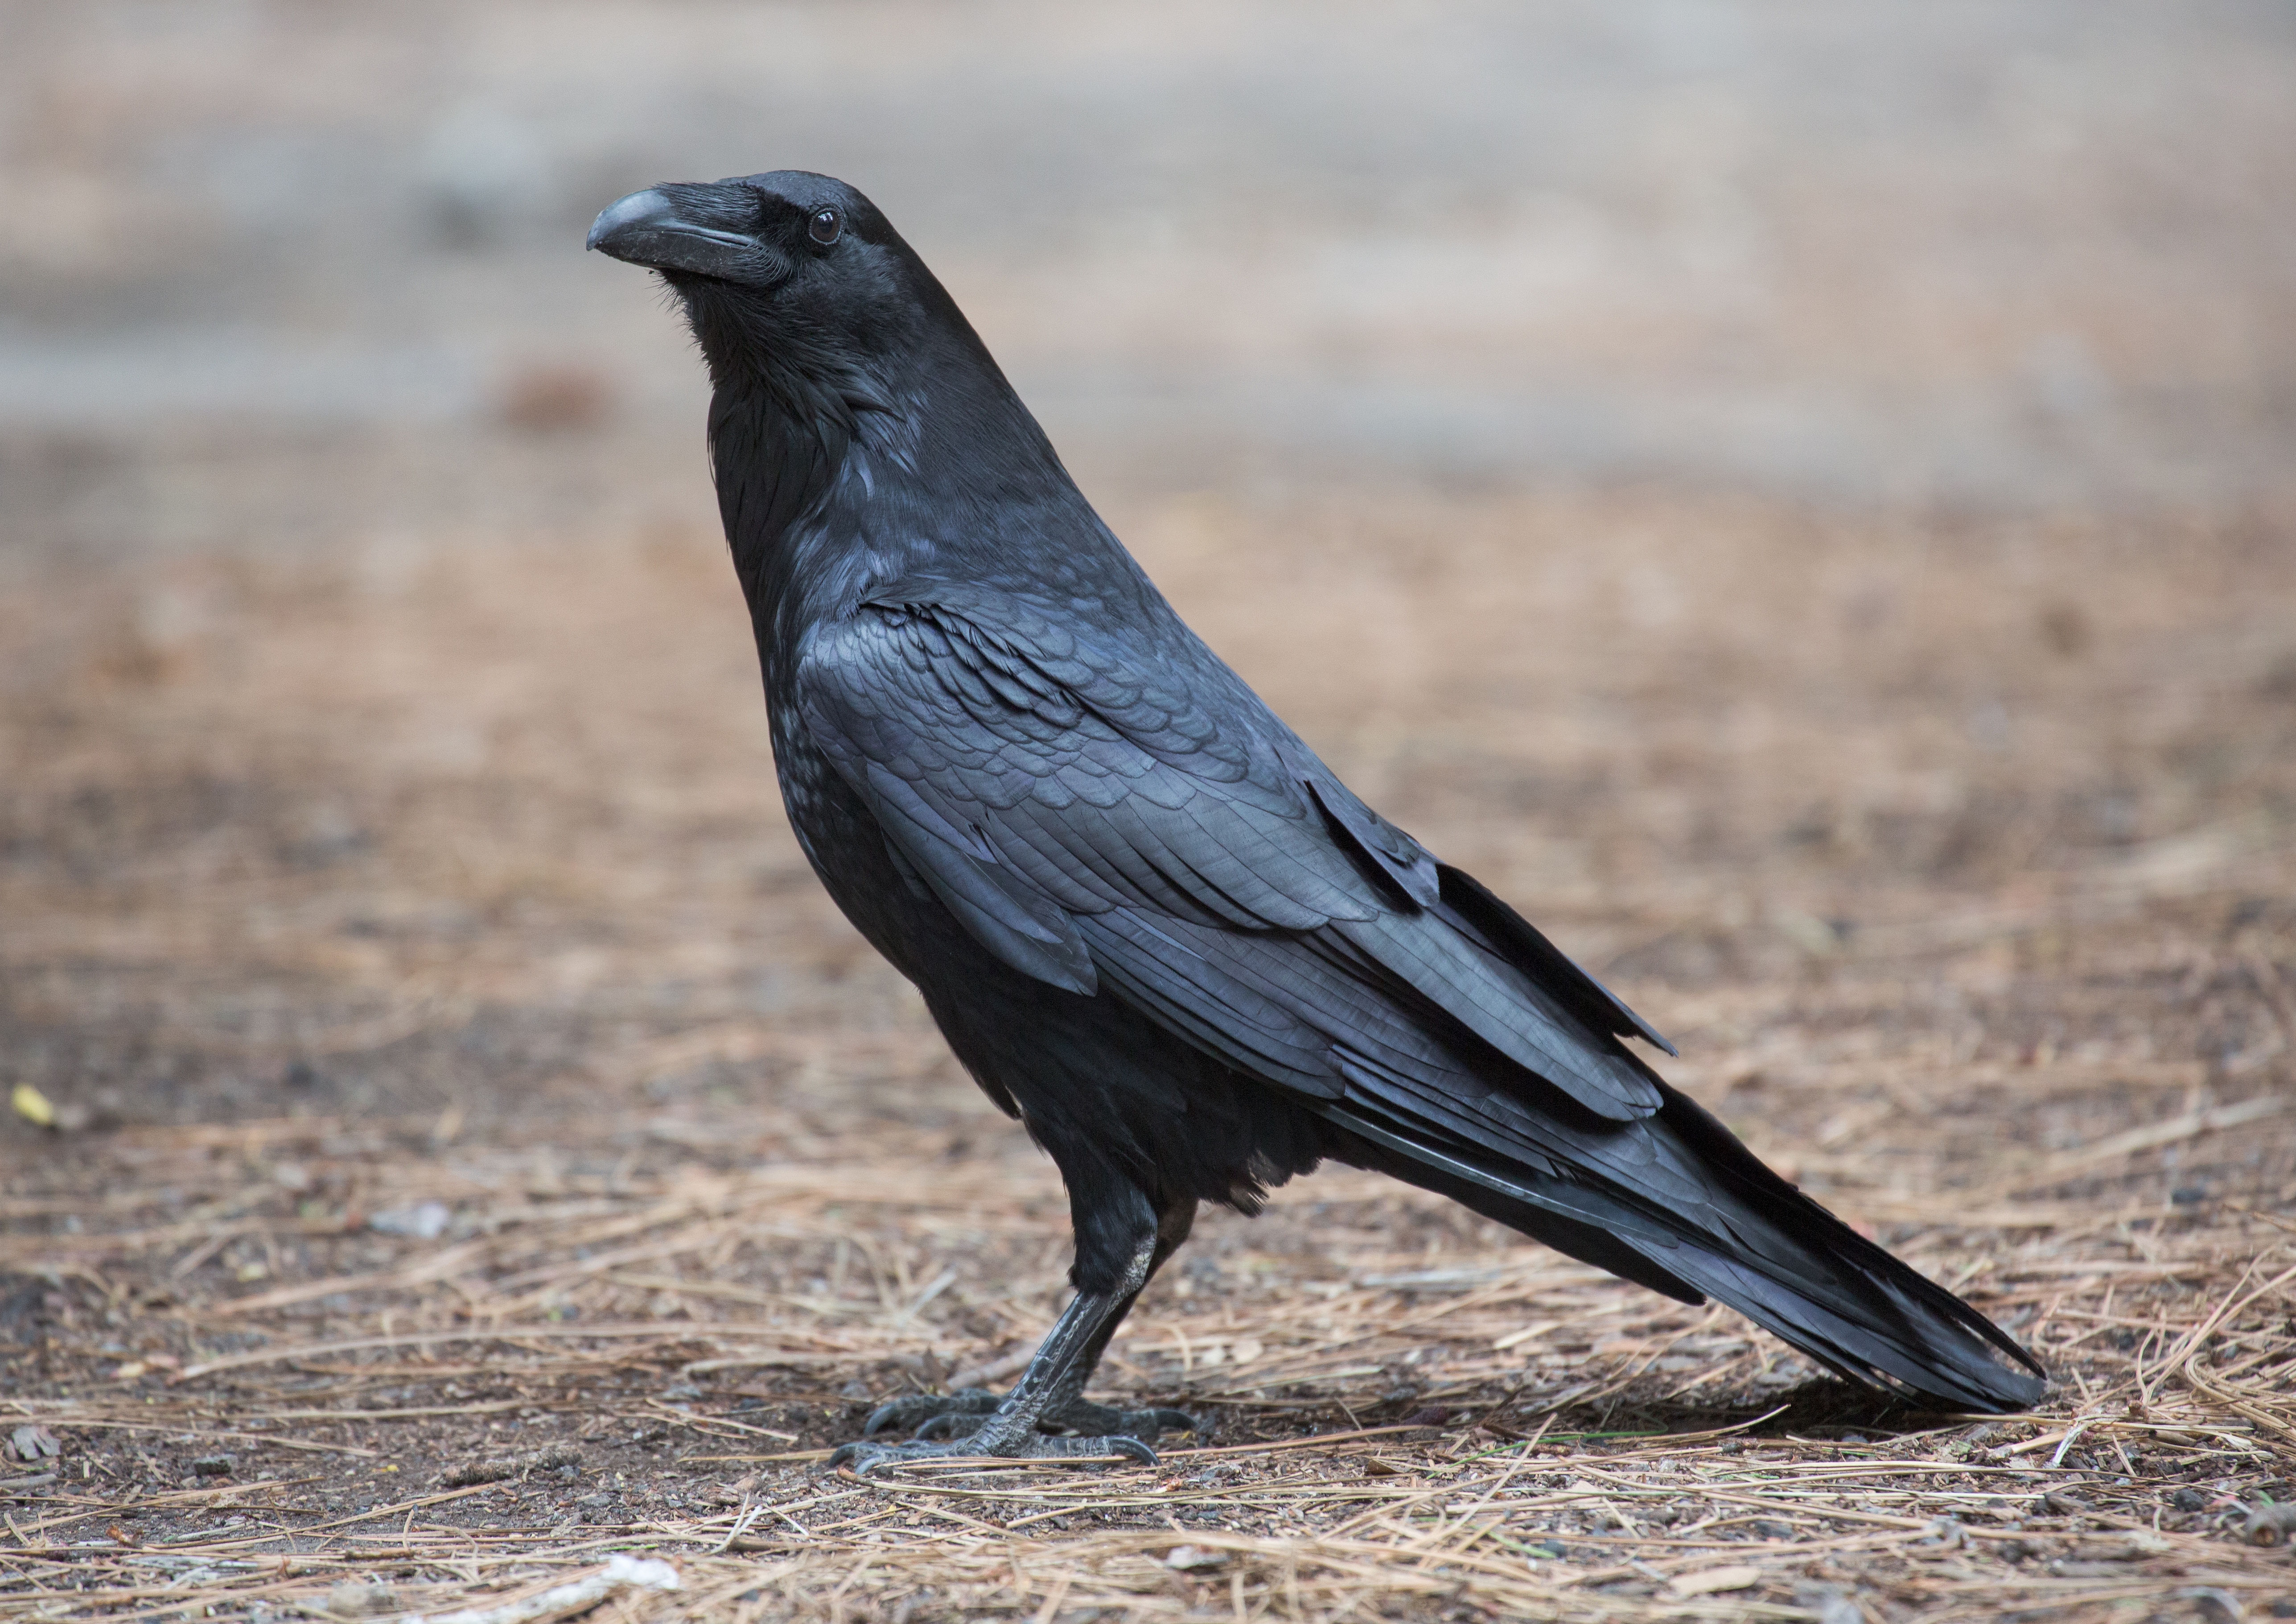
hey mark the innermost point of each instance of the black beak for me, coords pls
(655, 228)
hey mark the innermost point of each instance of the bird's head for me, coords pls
(787, 269)
(843, 369)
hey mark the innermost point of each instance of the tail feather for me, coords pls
(1755, 1242)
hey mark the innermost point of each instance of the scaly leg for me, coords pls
(1050, 1392)
(960, 1414)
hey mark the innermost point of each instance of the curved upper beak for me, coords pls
(655, 228)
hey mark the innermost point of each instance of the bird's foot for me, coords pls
(988, 1442)
(962, 1414)
(914, 1410)
(1082, 1415)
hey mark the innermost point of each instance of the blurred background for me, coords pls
(1996, 254)
(1812, 489)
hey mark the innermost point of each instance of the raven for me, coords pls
(1154, 927)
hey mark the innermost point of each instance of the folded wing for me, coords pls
(1167, 839)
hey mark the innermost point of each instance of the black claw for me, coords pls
(914, 1408)
(862, 1459)
(951, 1424)
(946, 1425)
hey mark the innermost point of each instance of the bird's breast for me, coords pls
(841, 839)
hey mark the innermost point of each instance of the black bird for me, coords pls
(1151, 923)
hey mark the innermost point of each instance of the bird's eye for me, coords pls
(824, 226)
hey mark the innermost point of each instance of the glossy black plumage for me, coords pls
(1150, 921)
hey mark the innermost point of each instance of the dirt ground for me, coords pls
(460, 1075)
(458, 1157)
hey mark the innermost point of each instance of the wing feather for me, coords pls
(1098, 828)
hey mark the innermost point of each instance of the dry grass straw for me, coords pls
(539, 1173)
(1461, 1424)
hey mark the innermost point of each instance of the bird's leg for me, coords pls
(959, 1414)
(1011, 1428)
(1049, 1393)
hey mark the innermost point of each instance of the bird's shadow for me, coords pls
(1819, 1408)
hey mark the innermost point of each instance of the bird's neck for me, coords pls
(832, 485)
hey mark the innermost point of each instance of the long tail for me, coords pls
(1752, 1241)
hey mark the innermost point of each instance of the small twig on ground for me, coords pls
(506, 1467)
